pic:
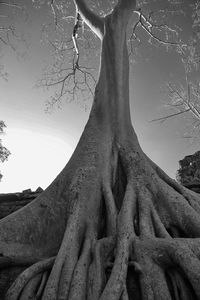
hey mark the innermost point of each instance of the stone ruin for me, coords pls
(14, 201)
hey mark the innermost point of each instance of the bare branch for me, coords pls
(74, 80)
(67, 77)
(95, 22)
(184, 99)
(78, 24)
(163, 119)
(148, 25)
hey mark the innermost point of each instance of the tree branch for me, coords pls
(95, 23)
(147, 24)
(162, 119)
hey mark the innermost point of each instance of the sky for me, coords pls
(41, 143)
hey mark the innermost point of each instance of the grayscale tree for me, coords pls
(112, 225)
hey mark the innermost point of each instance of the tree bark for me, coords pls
(112, 225)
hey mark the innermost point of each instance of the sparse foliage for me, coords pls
(189, 170)
(4, 152)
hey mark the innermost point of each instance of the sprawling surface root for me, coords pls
(102, 253)
(139, 239)
(60, 277)
(27, 282)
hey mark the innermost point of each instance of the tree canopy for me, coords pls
(172, 25)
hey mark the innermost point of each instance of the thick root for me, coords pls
(140, 246)
(102, 252)
(78, 287)
(14, 291)
(30, 288)
(59, 280)
(42, 285)
(190, 266)
(115, 285)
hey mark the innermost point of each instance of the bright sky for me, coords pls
(36, 159)
(41, 143)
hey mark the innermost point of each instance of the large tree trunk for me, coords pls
(112, 225)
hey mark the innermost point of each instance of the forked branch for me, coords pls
(95, 23)
(183, 100)
(152, 29)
